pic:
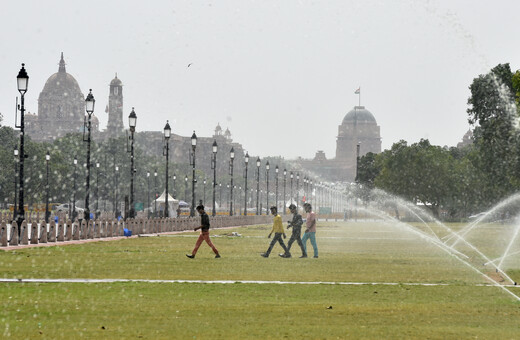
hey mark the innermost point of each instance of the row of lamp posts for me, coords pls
(22, 81)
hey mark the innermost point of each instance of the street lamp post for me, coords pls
(297, 190)
(284, 194)
(193, 179)
(276, 186)
(15, 182)
(166, 150)
(89, 107)
(267, 167)
(257, 185)
(132, 120)
(246, 163)
(214, 168)
(292, 175)
(232, 158)
(47, 213)
(22, 81)
(155, 190)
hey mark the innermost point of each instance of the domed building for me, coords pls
(358, 127)
(61, 108)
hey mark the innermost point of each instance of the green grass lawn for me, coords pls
(370, 253)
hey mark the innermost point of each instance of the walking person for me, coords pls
(204, 233)
(310, 231)
(296, 225)
(278, 232)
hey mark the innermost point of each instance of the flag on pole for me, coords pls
(358, 90)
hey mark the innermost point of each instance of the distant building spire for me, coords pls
(62, 65)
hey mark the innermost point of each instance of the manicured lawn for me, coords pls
(366, 252)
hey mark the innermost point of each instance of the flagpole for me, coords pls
(359, 96)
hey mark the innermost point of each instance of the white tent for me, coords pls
(173, 204)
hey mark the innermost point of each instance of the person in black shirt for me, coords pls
(296, 225)
(204, 233)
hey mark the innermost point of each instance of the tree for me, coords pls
(492, 106)
(420, 172)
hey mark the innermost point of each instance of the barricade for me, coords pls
(64, 231)
(83, 229)
(24, 234)
(34, 233)
(43, 232)
(61, 232)
(3, 234)
(52, 232)
(68, 232)
(13, 241)
(109, 225)
(90, 229)
(96, 225)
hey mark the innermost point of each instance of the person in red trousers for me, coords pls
(204, 234)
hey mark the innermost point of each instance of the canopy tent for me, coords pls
(173, 205)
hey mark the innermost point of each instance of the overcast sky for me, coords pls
(280, 75)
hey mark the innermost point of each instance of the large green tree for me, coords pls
(492, 106)
(420, 172)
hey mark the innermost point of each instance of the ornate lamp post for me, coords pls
(155, 190)
(276, 186)
(47, 213)
(257, 185)
(193, 179)
(292, 175)
(267, 167)
(132, 120)
(284, 194)
(231, 159)
(74, 214)
(214, 168)
(246, 163)
(89, 107)
(166, 150)
(297, 190)
(15, 182)
(22, 81)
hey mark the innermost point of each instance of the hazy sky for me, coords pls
(280, 75)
